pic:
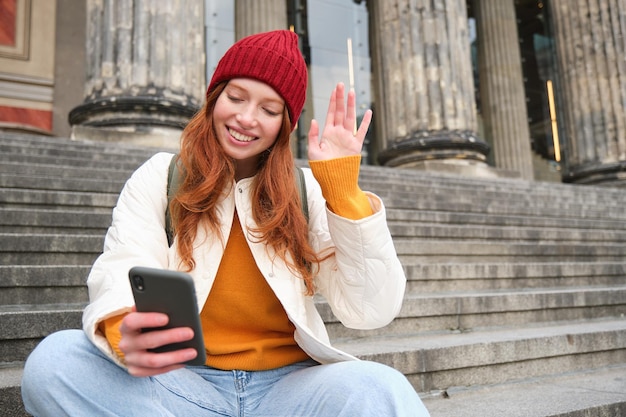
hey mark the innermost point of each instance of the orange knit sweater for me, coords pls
(245, 326)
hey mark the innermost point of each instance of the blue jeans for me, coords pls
(66, 375)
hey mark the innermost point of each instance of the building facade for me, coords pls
(479, 87)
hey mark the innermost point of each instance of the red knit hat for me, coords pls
(273, 58)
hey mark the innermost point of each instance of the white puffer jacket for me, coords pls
(363, 282)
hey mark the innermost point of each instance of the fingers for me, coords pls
(136, 345)
(134, 322)
(365, 124)
(332, 107)
(338, 114)
(340, 108)
(314, 131)
(154, 339)
(350, 122)
(145, 363)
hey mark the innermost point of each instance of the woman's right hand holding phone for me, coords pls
(135, 344)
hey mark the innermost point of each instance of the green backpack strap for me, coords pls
(174, 180)
(301, 186)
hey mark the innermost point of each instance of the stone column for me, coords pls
(255, 16)
(422, 66)
(589, 37)
(145, 70)
(502, 86)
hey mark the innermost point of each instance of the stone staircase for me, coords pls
(515, 302)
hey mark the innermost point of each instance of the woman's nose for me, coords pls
(247, 116)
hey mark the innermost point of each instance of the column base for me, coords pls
(157, 136)
(607, 175)
(142, 112)
(145, 120)
(463, 168)
(452, 145)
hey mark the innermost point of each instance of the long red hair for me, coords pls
(276, 207)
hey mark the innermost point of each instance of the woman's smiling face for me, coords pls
(247, 117)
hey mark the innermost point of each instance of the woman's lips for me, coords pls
(240, 136)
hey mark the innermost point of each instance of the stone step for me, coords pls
(35, 284)
(422, 187)
(66, 144)
(43, 182)
(44, 199)
(23, 326)
(460, 277)
(82, 181)
(434, 362)
(386, 178)
(105, 200)
(507, 205)
(101, 204)
(29, 220)
(558, 196)
(88, 182)
(598, 392)
(60, 171)
(54, 249)
(371, 175)
(558, 199)
(434, 311)
(439, 361)
(420, 312)
(472, 310)
(436, 180)
(497, 309)
(118, 164)
(10, 396)
(500, 198)
(505, 233)
(47, 249)
(411, 251)
(76, 152)
(395, 216)
(47, 284)
(34, 221)
(490, 207)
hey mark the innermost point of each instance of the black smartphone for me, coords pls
(172, 293)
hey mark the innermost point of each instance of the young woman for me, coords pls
(256, 261)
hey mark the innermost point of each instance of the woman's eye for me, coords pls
(234, 99)
(271, 112)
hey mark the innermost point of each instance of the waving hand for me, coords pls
(338, 138)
